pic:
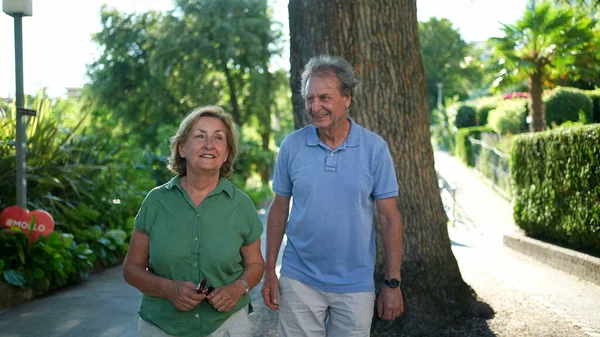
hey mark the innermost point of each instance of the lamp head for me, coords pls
(17, 7)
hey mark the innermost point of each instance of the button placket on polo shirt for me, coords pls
(331, 161)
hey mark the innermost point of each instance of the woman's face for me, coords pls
(205, 148)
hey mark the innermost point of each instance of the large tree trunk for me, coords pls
(236, 115)
(380, 38)
(536, 104)
(265, 171)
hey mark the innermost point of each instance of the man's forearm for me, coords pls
(391, 229)
(276, 222)
(392, 245)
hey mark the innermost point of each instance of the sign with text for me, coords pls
(15, 216)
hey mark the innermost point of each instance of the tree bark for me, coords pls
(265, 171)
(236, 114)
(380, 38)
(536, 104)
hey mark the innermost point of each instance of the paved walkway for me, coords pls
(530, 299)
(498, 273)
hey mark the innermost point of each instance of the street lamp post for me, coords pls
(18, 9)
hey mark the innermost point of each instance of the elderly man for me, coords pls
(337, 172)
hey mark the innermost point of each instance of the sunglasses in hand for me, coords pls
(201, 288)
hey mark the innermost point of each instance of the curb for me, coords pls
(575, 263)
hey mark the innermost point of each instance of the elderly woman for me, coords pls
(195, 250)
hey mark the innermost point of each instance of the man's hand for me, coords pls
(183, 295)
(390, 304)
(270, 290)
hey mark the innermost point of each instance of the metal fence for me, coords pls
(492, 164)
(448, 194)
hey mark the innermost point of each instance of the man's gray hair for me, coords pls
(332, 64)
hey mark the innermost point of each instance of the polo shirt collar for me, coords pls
(353, 139)
(224, 185)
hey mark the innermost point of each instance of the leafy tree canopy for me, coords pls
(447, 59)
(154, 67)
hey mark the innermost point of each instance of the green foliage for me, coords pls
(510, 117)
(56, 164)
(483, 105)
(157, 67)
(109, 246)
(464, 151)
(586, 5)
(125, 81)
(447, 59)
(73, 174)
(567, 104)
(47, 263)
(556, 177)
(466, 116)
(545, 39)
(85, 178)
(542, 45)
(594, 95)
(443, 131)
(493, 160)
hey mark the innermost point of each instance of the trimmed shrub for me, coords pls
(566, 104)
(466, 116)
(509, 117)
(594, 95)
(556, 186)
(463, 150)
(483, 113)
(483, 106)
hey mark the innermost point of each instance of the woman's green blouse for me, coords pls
(189, 243)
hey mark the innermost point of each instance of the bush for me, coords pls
(442, 132)
(566, 104)
(483, 106)
(594, 95)
(47, 263)
(510, 117)
(483, 113)
(464, 151)
(556, 186)
(466, 116)
(85, 179)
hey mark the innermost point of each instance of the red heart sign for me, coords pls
(15, 216)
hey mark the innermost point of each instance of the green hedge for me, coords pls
(594, 95)
(466, 116)
(463, 150)
(509, 117)
(556, 185)
(567, 104)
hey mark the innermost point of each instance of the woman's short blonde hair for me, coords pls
(177, 164)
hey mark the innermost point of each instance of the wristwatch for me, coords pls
(392, 283)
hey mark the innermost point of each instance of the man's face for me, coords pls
(325, 104)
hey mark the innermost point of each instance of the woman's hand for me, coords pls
(183, 295)
(226, 298)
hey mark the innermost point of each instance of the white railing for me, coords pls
(493, 164)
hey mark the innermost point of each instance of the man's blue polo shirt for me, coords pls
(330, 233)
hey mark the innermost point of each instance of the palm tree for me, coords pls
(540, 45)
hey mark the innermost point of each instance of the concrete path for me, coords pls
(483, 216)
